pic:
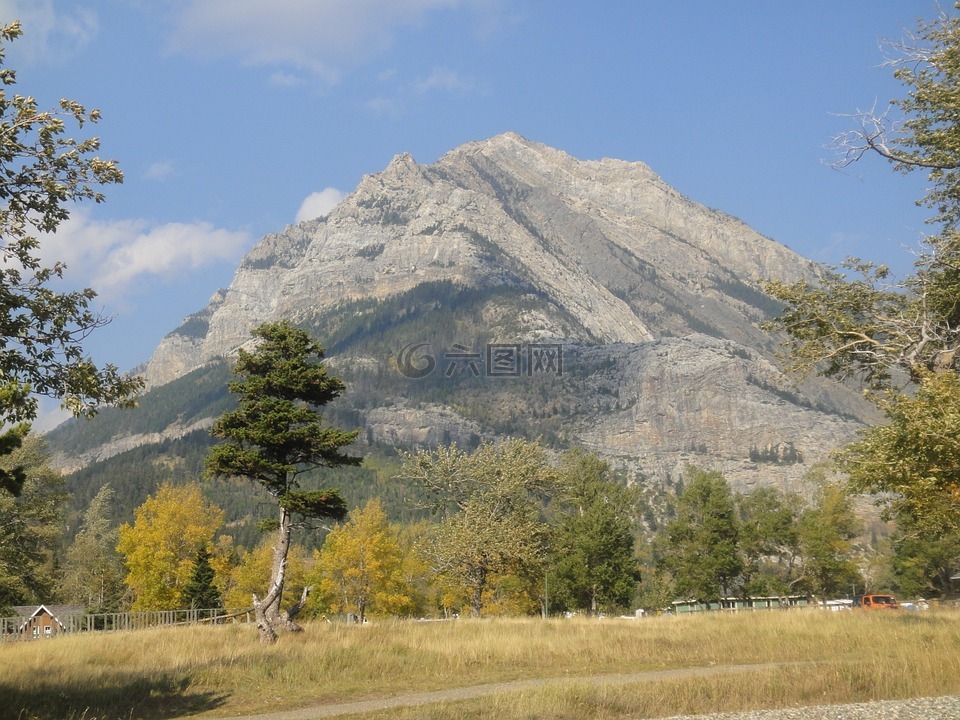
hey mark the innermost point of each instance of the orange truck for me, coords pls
(873, 602)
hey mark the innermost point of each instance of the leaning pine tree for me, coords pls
(274, 437)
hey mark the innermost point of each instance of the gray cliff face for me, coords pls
(620, 251)
(698, 400)
(657, 296)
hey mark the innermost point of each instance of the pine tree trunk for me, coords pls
(268, 636)
(268, 609)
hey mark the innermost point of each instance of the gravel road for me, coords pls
(937, 708)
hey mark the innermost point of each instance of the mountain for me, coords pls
(510, 289)
(618, 255)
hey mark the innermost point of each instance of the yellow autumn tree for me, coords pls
(160, 548)
(361, 568)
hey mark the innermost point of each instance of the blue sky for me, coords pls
(232, 117)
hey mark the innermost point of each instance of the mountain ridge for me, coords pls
(654, 301)
(379, 242)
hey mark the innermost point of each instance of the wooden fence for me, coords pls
(24, 628)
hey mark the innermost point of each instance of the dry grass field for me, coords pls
(222, 671)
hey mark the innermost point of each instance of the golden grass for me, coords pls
(220, 671)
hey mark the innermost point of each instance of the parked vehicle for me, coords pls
(838, 605)
(874, 602)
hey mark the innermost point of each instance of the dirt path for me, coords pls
(478, 691)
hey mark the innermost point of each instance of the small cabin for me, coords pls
(41, 621)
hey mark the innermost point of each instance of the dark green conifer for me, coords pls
(200, 592)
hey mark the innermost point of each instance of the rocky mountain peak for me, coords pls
(623, 256)
(403, 166)
(504, 248)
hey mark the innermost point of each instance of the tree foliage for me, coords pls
(766, 543)
(593, 567)
(922, 566)
(490, 503)
(30, 526)
(360, 569)
(702, 550)
(42, 173)
(201, 592)
(473, 546)
(826, 531)
(862, 327)
(275, 436)
(509, 472)
(915, 457)
(769, 541)
(92, 568)
(160, 548)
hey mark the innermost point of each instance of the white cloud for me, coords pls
(385, 107)
(159, 171)
(441, 78)
(83, 243)
(319, 203)
(110, 256)
(283, 79)
(319, 37)
(169, 250)
(49, 32)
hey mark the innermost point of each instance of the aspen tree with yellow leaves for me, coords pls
(360, 569)
(160, 547)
